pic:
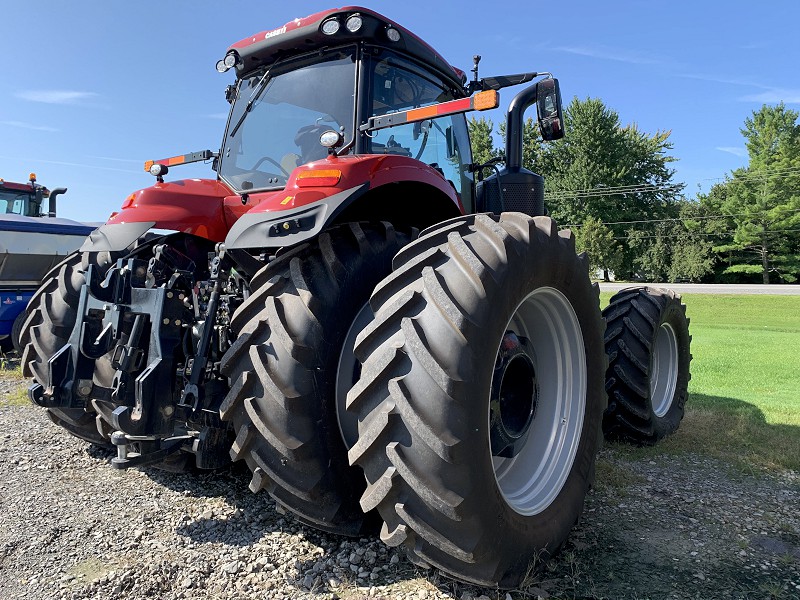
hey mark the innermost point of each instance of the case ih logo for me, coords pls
(275, 32)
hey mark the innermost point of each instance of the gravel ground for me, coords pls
(73, 527)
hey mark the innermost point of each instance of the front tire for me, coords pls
(648, 347)
(481, 396)
(290, 340)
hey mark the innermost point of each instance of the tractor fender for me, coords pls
(193, 206)
(258, 229)
(115, 237)
(301, 211)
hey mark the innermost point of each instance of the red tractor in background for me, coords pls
(386, 340)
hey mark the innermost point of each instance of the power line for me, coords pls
(717, 234)
(675, 219)
(613, 191)
(602, 190)
(755, 174)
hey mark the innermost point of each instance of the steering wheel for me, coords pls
(271, 161)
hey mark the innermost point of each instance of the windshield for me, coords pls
(278, 116)
(17, 203)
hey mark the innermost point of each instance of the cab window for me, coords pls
(398, 85)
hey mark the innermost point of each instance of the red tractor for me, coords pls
(387, 341)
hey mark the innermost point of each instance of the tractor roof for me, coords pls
(306, 34)
(19, 187)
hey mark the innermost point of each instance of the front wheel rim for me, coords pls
(664, 370)
(531, 480)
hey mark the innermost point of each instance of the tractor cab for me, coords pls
(353, 66)
(28, 199)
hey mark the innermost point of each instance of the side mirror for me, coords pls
(549, 110)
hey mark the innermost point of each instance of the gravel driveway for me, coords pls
(73, 527)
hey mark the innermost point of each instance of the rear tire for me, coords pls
(648, 346)
(283, 368)
(429, 393)
(51, 317)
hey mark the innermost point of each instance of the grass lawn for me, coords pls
(744, 397)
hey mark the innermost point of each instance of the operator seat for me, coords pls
(307, 140)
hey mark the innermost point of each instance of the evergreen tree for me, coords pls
(761, 202)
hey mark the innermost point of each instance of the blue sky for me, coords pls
(90, 90)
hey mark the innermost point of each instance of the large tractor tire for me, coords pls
(291, 335)
(51, 317)
(647, 342)
(481, 396)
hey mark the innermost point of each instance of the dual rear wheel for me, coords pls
(477, 398)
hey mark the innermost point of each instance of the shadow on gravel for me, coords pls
(736, 431)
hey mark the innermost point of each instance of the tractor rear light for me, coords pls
(354, 23)
(330, 139)
(393, 34)
(331, 26)
(318, 178)
(157, 169)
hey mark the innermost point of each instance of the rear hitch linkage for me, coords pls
(155, 324)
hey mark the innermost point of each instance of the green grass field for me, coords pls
(744, 397)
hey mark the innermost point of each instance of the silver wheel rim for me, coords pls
(531, 480)
(664, 370)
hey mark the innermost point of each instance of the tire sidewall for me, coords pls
(674, 316)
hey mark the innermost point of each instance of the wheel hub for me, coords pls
(514, 396)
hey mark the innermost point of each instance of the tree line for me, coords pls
(613, 185)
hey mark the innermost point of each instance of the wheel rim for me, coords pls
(533, 478)
(347, 374)
(664, 370)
